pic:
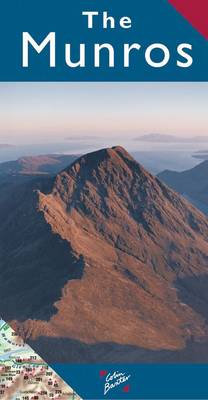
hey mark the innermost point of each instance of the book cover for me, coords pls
(104, 200)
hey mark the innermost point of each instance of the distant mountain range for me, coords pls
(192, 184)
(159, 138)
(37, 165)
(104, 263)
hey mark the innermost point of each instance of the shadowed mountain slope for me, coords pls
(106, 256)
(191, 183)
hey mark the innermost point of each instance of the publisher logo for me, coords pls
(114, 380)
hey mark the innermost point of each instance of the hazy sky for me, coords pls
(42, 112)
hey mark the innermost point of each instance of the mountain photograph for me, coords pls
(104, 263)
(104, 238)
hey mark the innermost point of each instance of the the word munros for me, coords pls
(183, 50)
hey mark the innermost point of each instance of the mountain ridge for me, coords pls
(191, 183)
(36, 165)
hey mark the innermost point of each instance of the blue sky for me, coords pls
(43, 112)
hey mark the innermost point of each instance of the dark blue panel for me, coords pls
(146, 382)
(152, 21)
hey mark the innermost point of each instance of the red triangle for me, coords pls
(195, 11)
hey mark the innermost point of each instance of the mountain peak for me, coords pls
(110, 184)
(96, 157)
(120, 150)
(109, 171)
(109, 159)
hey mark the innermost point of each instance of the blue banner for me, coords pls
(146, 40)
